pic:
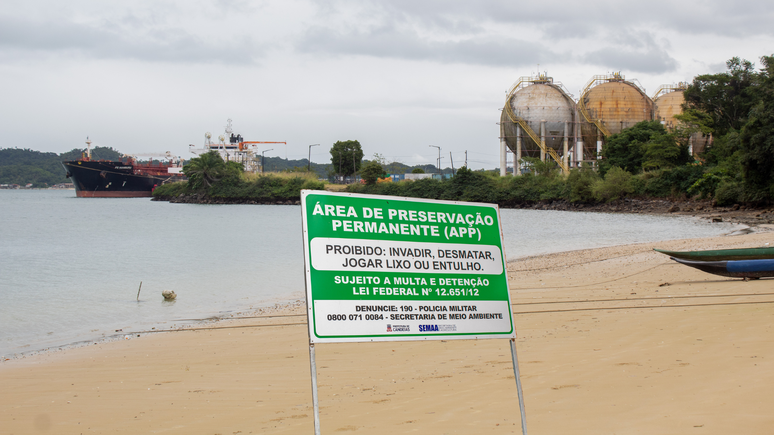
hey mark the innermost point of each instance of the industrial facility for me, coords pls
(538, 119)
(541, 119)
(668, 101)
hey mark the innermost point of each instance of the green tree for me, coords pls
(645, 146)
(346, 157)
(757, 140)
(663, 151)
(581, 184)
(371, 172)
(539, 167)
(209, 168)
(624, 150)
(726, 97)
(617, 183)
(738, 108)
(417, 171)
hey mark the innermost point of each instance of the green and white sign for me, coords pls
(382, 268)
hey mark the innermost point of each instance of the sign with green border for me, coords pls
(383, 268)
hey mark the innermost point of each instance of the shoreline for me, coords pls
(617, 339)
(279, 305)
(702, 209)
(292, 300)
(272, 303)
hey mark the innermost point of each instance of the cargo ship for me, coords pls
(125, 178)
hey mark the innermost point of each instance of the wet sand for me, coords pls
(615, 340)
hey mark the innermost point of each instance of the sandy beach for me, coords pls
(617, 340)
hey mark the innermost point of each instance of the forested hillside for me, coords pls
(23, 166)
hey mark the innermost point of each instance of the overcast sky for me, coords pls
(154, 76)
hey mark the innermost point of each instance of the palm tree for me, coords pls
(204, 170)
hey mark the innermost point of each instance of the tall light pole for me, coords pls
(263, 159)
(439, 156)
(309, 169)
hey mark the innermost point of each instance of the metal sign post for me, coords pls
(382, 268)
(518, 386)
(313, 363)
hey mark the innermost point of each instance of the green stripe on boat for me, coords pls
(763, 253)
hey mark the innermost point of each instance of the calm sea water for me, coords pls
(70, 267)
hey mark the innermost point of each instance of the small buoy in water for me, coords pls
(169, 294)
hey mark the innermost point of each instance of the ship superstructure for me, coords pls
(233, 148)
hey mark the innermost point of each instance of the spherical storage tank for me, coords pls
(535, 100)
(668, 102)
(667, 105)
(611, 106)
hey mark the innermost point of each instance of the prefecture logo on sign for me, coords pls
(384, 268)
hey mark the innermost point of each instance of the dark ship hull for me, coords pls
(116, 179)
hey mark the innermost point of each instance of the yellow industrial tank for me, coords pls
(608, 105)
(544, 107)
(668, 102)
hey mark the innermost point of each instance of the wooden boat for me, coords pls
(763, 253)
(735, 268)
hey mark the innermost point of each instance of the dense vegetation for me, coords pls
(23, 166)
(737, 108)
(209, 176)
(542, 185)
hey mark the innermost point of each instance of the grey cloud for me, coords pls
(632, 52)
(742, 18)
(738, 19)
(715, 68)
(569, 30)
(241, 6)
(124, 39)
(389, 42)
(710, 17)
(652, 61)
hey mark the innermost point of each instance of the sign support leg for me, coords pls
(518, 386)
(313, 364)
